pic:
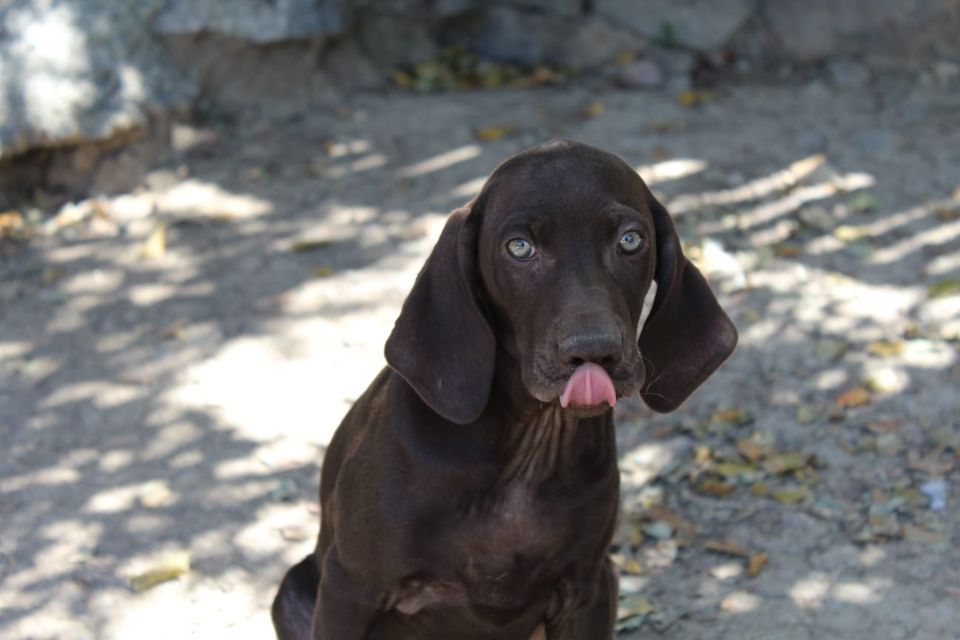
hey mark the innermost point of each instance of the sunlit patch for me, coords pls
(672, 169)
(752, 190)
(14, 349)
(740, 602)
(145, 295)
(197, 197)
(348, 148)
(830, 378)
(441, 161)
(858, 592)
(360, 165)
(468, 189)
(810, 591)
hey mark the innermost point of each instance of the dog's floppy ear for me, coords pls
(687, 335)
(442, 344)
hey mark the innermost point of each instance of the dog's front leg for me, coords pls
(346, 608)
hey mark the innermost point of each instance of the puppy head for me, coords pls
(550, 265)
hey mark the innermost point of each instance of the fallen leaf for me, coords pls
(323, 271)
(790, 495)
(684, 528)
(691, 98)
(489, 134)
(593, 109)
(733, 469)
(807, 413)
(786, 462)
(632, 606)
(168, 569)
(305, 246)
(787, 250)
(10, 222)
(944, 288)
(948, 215)
(714, 488)
(732, 416)
(828, 349)
(886, 348)
(155, 246)
(863, 202)
(756, 563)
(856, 397)
(726, 547)
(751, 450)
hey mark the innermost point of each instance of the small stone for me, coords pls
(946, 73)
(848, 73)
(831, 350)
(817, 218)
(937, 491)
(642, 74)
(889, 444)
(886, 380)
(659, 530)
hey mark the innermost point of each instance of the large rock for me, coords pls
(694, 24)
(254, 20)
(808, 30)
(72, 71)
(507, 34)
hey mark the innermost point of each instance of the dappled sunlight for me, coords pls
(673, 169)
(440, 161)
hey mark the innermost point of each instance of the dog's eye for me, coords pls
(631, 241)
(520, 249)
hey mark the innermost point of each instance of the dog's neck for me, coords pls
(540, 441)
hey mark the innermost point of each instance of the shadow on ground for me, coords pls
(175, 359)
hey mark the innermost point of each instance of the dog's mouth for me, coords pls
(589, 390)
(589, 385)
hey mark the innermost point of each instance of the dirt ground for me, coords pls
(173, 360)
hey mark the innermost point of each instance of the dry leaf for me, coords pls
(593, 109)
(886, 348)
(733, 469)
(684, 528)
(787, 250)
(323, 271)
(714, 488)
(856, 397)
(732, 416)
(10, 223)
(168, 569)
(756, 563)
(489, 134)
(310, 245)
(790, 495)
(726, 547)
(786, 462)
(751, 450)
(944, 288)
(155, 246)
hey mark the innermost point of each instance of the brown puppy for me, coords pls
(471, 492)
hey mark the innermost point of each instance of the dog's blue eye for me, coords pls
(520, 249)
(631, 241)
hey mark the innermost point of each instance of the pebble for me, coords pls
(642, 74)
(937, 491)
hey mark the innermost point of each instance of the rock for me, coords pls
(507, 34)
(848, 73)
(253, 20)
(696, 24)
(73, 72)
(807, 30)
(392, 40)
(641, 74)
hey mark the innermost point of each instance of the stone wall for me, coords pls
(79, 71)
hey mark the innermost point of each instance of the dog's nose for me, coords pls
(598, 347)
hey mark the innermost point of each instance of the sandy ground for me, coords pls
(174, 360)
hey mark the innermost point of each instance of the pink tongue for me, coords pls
(588, 385)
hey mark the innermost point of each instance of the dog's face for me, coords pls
(567, 252)
(550, 266)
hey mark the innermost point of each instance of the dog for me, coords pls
(472, 491)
